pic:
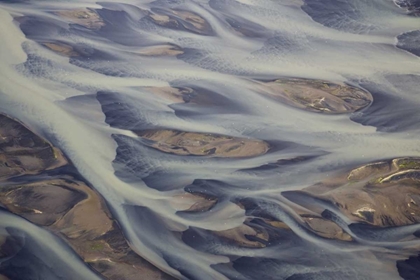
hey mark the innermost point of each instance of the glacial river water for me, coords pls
(90, 82)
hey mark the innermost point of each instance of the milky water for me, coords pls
(89, 107)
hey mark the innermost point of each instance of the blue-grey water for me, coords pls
(89, 105)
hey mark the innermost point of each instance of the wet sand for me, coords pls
(63, 204)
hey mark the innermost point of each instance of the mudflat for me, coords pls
(63, 204)
(203, 144)
(317, 95)
(384, 193)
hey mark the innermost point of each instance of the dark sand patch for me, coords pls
(61, 48)
(23, 152)
(161, 50)
(65, 205)
(175, 95)
(247, 28)
(326, 228)
(180, 20)
(383, 193)
(42, 203)
(194, 202)
(203, 144)
(85, 17)
(317, 96)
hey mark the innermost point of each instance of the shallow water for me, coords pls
(91, 96)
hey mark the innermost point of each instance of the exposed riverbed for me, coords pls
(212, 139)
